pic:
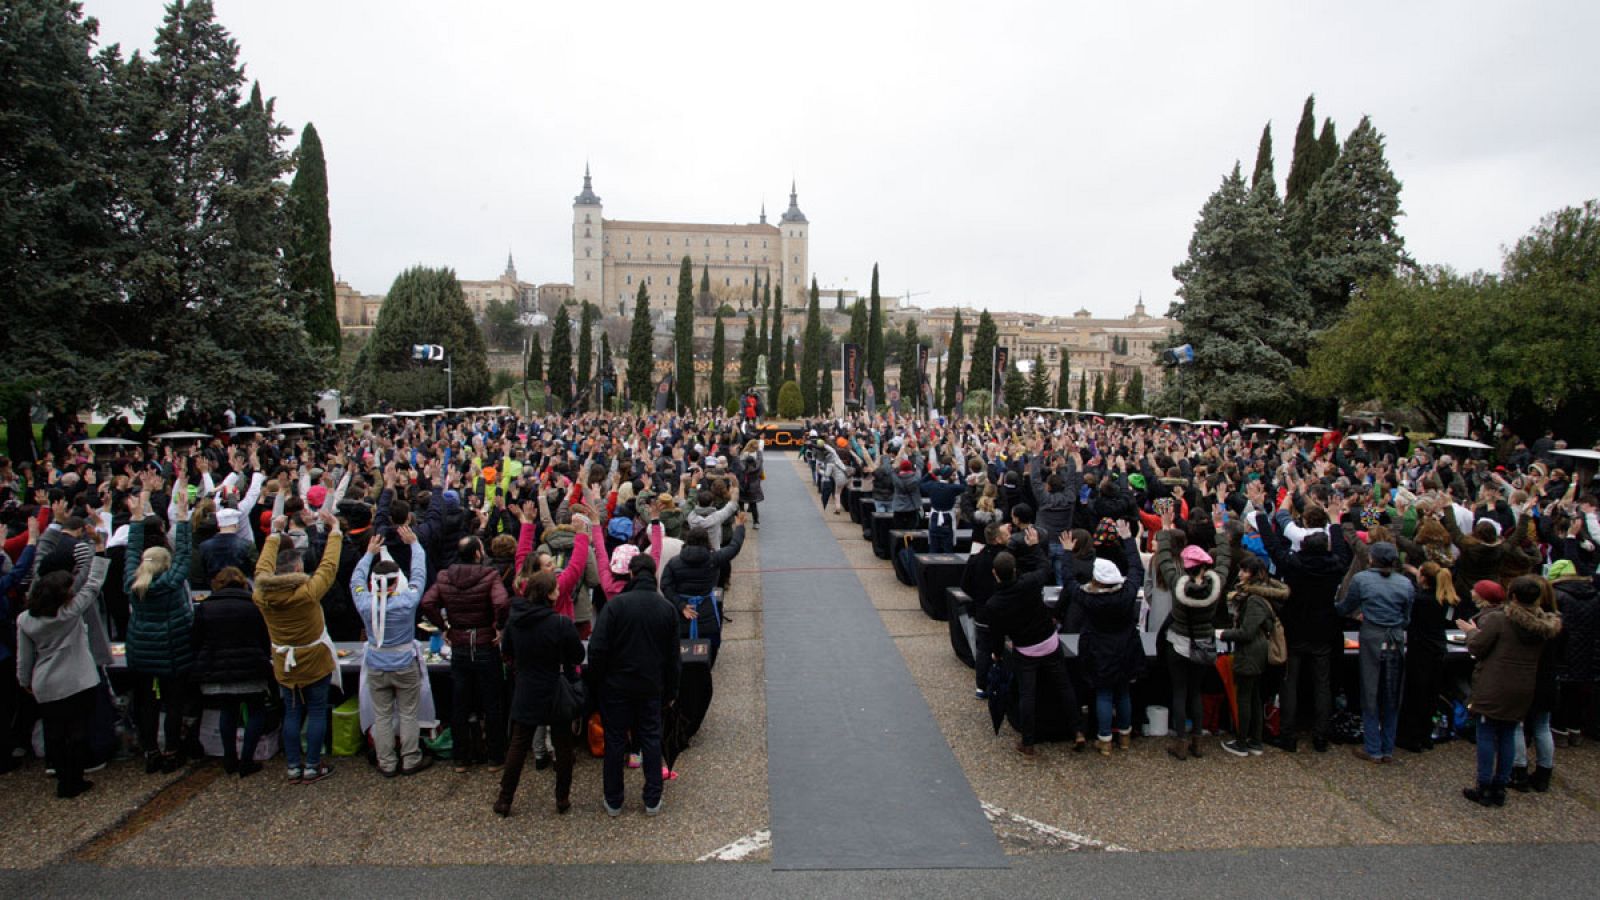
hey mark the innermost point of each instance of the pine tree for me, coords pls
(876, 350)
(789, 362)
(980, 371)
(585, 357)
(910, 375)
(1064, 381)
(811, 357)
(1241, 307)
(1327, 149)
(1038, 383)
(423, 306)
(1306, 163)
(952, 372)
(1263, 158)
(1099, 395)
(559, 370)
(775, 346)
(683, 335)
(719, 364)
(308, 258)
(535, 370)
(1133, 396)
(641, 350)
(749, 351)
(1016, 389)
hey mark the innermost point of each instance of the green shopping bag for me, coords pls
(347, 739)
(440, 746)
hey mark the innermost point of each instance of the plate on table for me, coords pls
(1456, 637)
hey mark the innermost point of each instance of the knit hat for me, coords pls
(1164, 504)
(1137, 482)
(621, 557)
(1490, 591)
(490, 475)
(1193, 555)
(1107, 573)
(905, 467)
(1106, 533)
(1562, 568)
(316, 496)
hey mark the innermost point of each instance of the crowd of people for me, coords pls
(564, 563)
(1266, 547)
(556, 562)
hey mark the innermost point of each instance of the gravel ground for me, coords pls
(1145, 800)
(436, 818)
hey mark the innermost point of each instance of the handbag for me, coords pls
(569, 700)
(1277, 644)
(1203, 651)
(696, 649)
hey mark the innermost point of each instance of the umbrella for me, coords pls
(1307, 429)
(1225, 673)
(999, 690)
(107, 442)
(1174, 420)
(1373, 437)
(431, 412)
(1116, 415)
(683, 718)
(411, 415)
(1139, 417)
(182, 436)
(1209, 423)
(343, 423)
(377, 416)
(1591, 455)
(291, 426)
(1261, 426)
(1087, 412)
(1461, 443)
(247, 429)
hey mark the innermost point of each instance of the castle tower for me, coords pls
(796, 258)
(588, 245)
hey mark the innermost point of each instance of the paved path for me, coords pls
(859, 774)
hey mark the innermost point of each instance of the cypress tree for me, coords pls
(1099, 395)
(1113, 393)
(535, 371)
(755, 290)
(811, 357)
(910, 377)
(1016, 389)
(1305, 165)
(585, 346)
(764, 337)
(875, 345)
(719, 364)
(1264, 158)
(858, 324)
(1327, 149)
(825, 400)
(308, 258)
(641, 350)
(1347, 224)
(838, 305)
(1038, 383)
(749, 350)
(980, 371)
(1064, 381)
(1083, 391)
(1133, 396)
(602, 367)
(789, 362)
(559, 371)
(683, 334)
(776, 345)
(952, 373)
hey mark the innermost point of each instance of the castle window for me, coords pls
(630, 279)
(763, 245)
(649, 279)
(708, 242)
(586, 276)
(586, 219)
(669, 242)
(630, 239)
(725, 258)
(747, 245)
(669, 281)
(588, 252)
(647, 239)
(586, 233)
(797, 259)
(727, 282)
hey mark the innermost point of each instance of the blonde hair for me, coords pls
(153, 562)
(1444, 587)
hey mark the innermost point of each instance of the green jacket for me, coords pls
(1252, 624)
(159, 620)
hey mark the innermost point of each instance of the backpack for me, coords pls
(1277, 644)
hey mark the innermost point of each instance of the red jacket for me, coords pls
(470, 603)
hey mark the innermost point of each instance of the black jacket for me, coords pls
(540, 644)
(1308, 616)
(693, 573)
(230, 639)
(1017, 610)
(1110, 646)
(633, 653)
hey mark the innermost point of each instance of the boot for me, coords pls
(1194, 747)
(1104, 747)
(1124, 741)
(1519, 780)
(1541, 779)
(1483, 794)
(1178, 749)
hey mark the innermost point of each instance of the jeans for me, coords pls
(643, 717)
(881, 506)
(1495, 749)
(942, 533)
(66, 737)
(1188, 679)
(1058, 561)
(399, 691)
(753, 508)
(1113, 708)
(149, 708)
(1247, 689)
(307, 706)
(228, 726)
(522, 737)
(477, 684)
(1028, 671)
(1382, 664)
(1544, 743)
(1319, 660)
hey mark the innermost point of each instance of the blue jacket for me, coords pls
(1384, 600)
(400, 613)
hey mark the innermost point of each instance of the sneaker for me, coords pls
(422, 765)
(389, 773)
(635, 760)
(1026, 749)
(93, 769)
(1255, 748)
(1287, 745)
(612, 811)
(312, 776)
(542, 761)
(1364, 756)
(1237, 748)
(1319, 744)
(668, 775)
(295, 775)
(656, 810)
(982, 694)
(248, 767)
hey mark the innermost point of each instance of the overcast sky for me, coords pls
(1032, 156)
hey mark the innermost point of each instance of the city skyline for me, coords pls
(1035, 170)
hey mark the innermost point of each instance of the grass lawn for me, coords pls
(38, 433)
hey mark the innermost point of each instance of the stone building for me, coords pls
(507, 289)
(612, 257)
(356, 311)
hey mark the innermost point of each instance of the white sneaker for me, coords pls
(653, 810)
(612, 811)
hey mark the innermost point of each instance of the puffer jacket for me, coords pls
(1313, 581)
(1194, 600)
(1252, 623)
(693, 573)
(1109, 643)
(469, 603)
(291, 605)
(1507, 645)
(230, 639)
(1579, 602)
(159, 621)
(540, 645)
